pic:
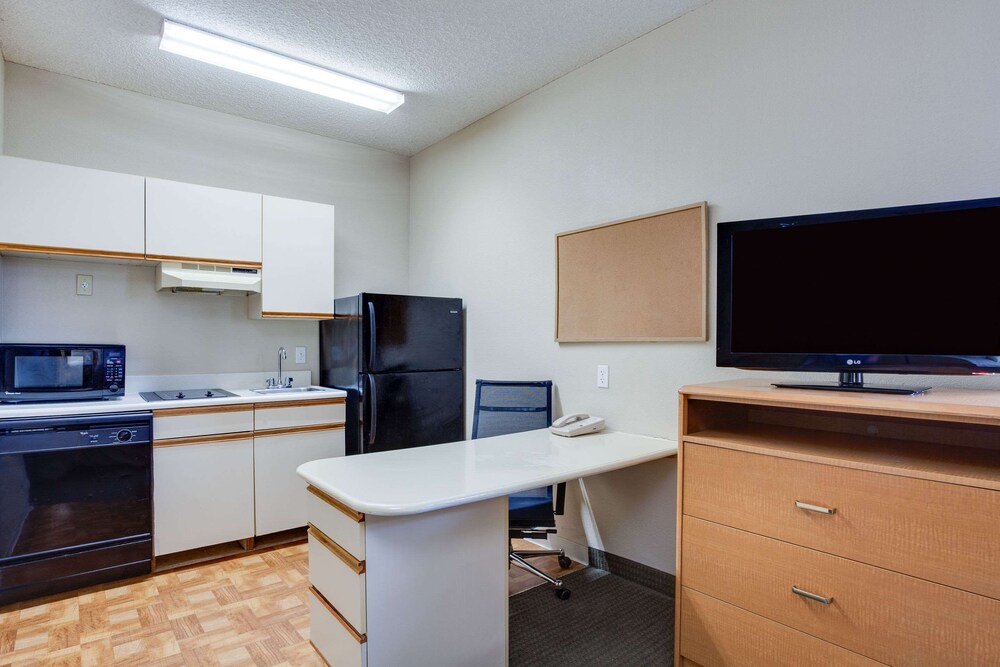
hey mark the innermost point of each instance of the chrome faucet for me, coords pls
(278, 383)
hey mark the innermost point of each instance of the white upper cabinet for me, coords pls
(199, 223)
(297, 276)
(63, 210)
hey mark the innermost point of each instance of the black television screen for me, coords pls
(912, 289)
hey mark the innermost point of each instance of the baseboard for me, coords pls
(577, 552)
(644, 575)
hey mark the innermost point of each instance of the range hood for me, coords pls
(207, 278)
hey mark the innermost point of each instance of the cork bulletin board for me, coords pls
(641, 279)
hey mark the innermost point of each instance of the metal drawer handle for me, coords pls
(811, 596)
(815, 508)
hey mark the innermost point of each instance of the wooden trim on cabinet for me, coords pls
(205, 260)
(325, 661)
(336, 504)
(358, 637)
(202, 410)
(79, 252)
(299, 429)
(203, 439)
(301, 403)
(340, 552)
(294, 315)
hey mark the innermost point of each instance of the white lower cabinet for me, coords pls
(202, 494)
(422, 590)
(227, 473)
(281, 497)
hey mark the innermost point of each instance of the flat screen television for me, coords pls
(911, 289)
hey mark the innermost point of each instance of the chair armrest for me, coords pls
(560, 498)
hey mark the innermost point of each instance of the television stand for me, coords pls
(853, 381)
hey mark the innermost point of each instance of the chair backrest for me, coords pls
(510, 406)
(504, 406)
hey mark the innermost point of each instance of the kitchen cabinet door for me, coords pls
(202, 224)
(297, 276)
(62, 210)
(202, 494)
(280, 493)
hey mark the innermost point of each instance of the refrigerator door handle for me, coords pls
(371, 335)
(373, 402)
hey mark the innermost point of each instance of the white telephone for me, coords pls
(577, 424)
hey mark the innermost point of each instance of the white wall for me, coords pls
(3, 70)
(61, 119)
(762, 108)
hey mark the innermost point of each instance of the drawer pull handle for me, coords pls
(811, 596)
(815, 508)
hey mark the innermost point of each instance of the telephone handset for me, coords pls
(577, 424)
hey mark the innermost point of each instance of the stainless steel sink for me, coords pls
(290, 390)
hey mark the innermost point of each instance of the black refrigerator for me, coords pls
(400, 359)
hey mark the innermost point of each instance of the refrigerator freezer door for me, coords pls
(411, 333)
(411, 410)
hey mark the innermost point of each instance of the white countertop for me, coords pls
(132, 402)
(423, 479)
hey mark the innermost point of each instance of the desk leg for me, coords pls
(437, 587)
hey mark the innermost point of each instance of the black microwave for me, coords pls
(61, 372)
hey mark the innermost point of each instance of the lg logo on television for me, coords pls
(851, 362)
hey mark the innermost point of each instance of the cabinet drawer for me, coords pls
(289, 414)
(210, 420)
(717, 634)
(932, 530)
(332, 638)
(337, 521)
(339, 577)
(887, 616)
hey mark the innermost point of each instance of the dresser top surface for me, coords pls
(949, 403)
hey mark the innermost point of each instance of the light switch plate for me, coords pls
(300, 355)
(84, 285)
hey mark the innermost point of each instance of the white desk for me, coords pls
(428, 558)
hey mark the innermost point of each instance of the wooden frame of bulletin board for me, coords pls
(640, 279)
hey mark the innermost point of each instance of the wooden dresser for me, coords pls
(827, 528)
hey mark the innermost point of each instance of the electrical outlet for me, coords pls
(602, 376)
(300, 355)
(84, 285)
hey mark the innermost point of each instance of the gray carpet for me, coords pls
(607, 621)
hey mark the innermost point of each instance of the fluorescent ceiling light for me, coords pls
(215, 50)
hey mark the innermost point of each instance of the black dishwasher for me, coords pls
(75, 502)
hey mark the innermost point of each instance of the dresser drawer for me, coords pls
(717, 634)
(289, 414)
(339, 577)
(941, 532)
(887, 616)
(334, 640)
(337, 521)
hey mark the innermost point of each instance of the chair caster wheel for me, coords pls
(562, 593)
(564, 561)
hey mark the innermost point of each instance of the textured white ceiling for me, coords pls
(456, 60)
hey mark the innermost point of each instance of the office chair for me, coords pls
(504, 407)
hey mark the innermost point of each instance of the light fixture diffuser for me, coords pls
(246, 59)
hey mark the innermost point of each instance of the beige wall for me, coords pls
(762, 108)
(61, 119)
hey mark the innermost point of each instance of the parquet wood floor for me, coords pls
(519, 580)
(251, 610)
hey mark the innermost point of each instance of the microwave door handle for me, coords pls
(371, 335)
(372, 402)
